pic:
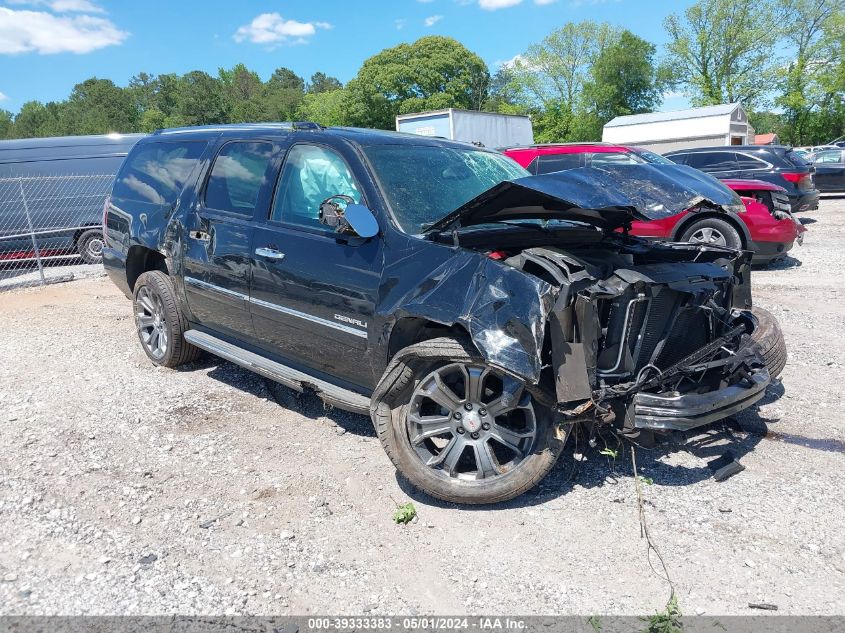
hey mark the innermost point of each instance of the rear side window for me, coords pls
(239, 172)
(680, 159)
(744, 161)
(712, 161)
(549, 163)
(157, 172)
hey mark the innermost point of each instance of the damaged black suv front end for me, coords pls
(647, 336)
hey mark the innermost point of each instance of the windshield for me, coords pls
(424, 184)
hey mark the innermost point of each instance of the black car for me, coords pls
(475, 312)
(777, 164)
(830, 169)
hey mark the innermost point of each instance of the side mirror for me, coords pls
(362, 220)
(355, 219)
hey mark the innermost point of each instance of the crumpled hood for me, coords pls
(607, 197)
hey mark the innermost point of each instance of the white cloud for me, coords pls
(495, 5)
(45, 33)
(433, 19)
(3, 97)
(273, 29)
(401, 23)
(425, 1)
(63, 6)
(544, 2)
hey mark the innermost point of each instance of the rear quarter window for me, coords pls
(745, 161)
(796, 159)
(157, 172)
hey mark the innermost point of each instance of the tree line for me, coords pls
(783, 59)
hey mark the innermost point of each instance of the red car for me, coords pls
(766, 227)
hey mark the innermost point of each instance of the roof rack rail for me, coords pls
(279, 125)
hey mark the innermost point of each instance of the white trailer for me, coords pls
(486, 128)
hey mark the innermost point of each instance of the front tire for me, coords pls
(159, 321)
(460, 430)
(769, 339)
(714, 232)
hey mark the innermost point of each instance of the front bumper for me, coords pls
(683, 412)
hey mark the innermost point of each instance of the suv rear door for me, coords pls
(313, 290)
(220, 230)
(830, 170)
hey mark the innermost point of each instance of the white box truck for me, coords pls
(486, 128)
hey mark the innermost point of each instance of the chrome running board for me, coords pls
(293, 378)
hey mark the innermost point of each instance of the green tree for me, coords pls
(811, 26)
(321, 82)
(285, 93)
(97, 106)
(721, 50)
(622, 80)
(550, 77)
(152, 119)
(432, 73)
(325, 108)
(245, 94)
(6, 121)
(200, 100)
(37, 119)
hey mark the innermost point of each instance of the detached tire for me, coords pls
(460, 430)
(90, 246)
(159, 321)
(769, 339)
(712, 231)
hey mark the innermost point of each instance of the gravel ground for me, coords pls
(127, 489)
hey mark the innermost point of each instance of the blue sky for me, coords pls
(46, 46)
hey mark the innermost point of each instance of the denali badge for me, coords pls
(350, 320)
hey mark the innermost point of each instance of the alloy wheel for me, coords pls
(471, 422)
(152, 324)
(707, 235)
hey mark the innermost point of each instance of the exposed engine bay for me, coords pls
(637, 326)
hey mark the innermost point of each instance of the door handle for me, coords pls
(201, 236)
(269, 253)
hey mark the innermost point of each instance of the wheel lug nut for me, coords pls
(457, 415)
(485, 426)
(468, 406)
(475, 436)
(461, 430)
(482, 412)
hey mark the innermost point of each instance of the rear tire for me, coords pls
(159, 321)
(470, 460)
(90, 246)
(769, 339)
(712, 231)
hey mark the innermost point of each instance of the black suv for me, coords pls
(777, 164)
(476, 313)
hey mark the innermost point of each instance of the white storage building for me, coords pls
(487, 128)
(725, 124)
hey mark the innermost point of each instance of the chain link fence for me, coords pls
(51, 228)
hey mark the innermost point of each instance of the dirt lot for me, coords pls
(134, 490)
